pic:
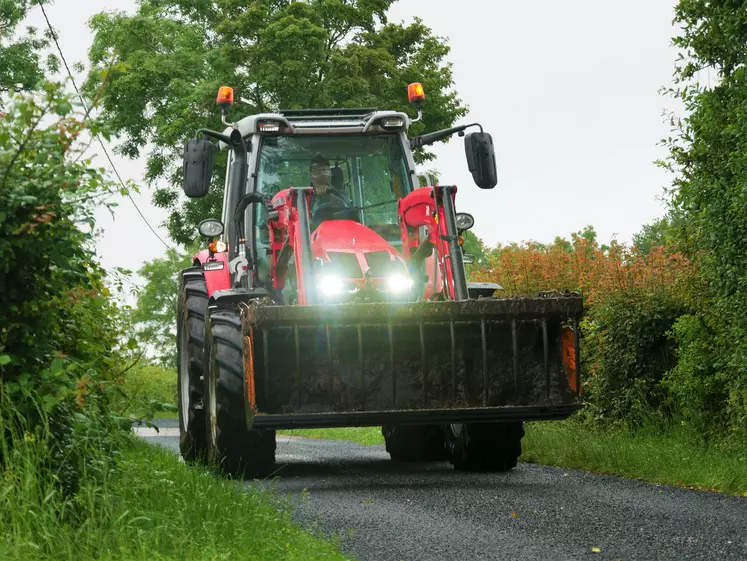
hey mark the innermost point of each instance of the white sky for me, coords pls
(568, 90)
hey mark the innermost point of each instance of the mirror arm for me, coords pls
(431, 137)
(216, 135)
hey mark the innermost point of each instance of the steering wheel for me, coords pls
(334, 208)
(333, 211)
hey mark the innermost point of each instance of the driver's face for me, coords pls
(320, 175)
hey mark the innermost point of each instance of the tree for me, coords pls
(708, 203)
(652, 235)
(21, 66)
(155, 313)
(474, 246)
(165, 63)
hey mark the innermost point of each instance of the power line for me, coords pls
(98, 137)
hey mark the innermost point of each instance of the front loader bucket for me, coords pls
(425, 356)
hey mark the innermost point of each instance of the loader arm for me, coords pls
(433, 207)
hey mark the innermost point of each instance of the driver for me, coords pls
(324, 194)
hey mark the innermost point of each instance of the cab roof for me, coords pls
(325, 121)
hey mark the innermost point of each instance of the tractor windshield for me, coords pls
(354, 177)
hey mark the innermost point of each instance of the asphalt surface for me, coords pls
(388, 511)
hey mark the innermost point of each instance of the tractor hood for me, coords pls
(357, 260)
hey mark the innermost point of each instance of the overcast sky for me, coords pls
(568, 90)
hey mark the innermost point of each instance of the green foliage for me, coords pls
(55, 306)
(708, 380)
(709, 208)
(150, 389)
(21, 66)
(155, 312)
(164, 65)
(652, 235)
(627, 352)
(474, 246)
(60, 333)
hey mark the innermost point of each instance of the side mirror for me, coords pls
(481, 159)
(199, 155)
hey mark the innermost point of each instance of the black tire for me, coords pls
(484, 446)
(190, 345)
(235, 449)
(415, 443)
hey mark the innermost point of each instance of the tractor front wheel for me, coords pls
(236, 449)
(190, 345)
(415, 443)
(484, 446)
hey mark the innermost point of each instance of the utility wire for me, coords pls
(98, 137)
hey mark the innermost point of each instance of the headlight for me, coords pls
(399, 283)
(331, 285)
(210, 228)
(464, 221)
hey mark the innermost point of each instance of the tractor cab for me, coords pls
(356, 166)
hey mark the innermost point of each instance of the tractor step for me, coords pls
(385, 357)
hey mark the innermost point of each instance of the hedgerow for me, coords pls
(61, 333)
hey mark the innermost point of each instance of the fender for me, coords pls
(215, 269)
(229, 299)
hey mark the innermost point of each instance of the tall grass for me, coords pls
(144, 504)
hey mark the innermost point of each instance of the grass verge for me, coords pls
(361, 435)
(668, 457)
(151, 507)
(672, 457)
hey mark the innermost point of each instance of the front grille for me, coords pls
(381, 264)
(344, 264)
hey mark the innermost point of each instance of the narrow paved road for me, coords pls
(429, 512)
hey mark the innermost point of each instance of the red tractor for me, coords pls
(333, 293)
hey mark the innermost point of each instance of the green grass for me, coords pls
(151, 507)
(361, 435)
(671, 457)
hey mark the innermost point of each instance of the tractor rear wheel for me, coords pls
(190, 344)
(415, 443)
(484, 446)
(236, 449)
